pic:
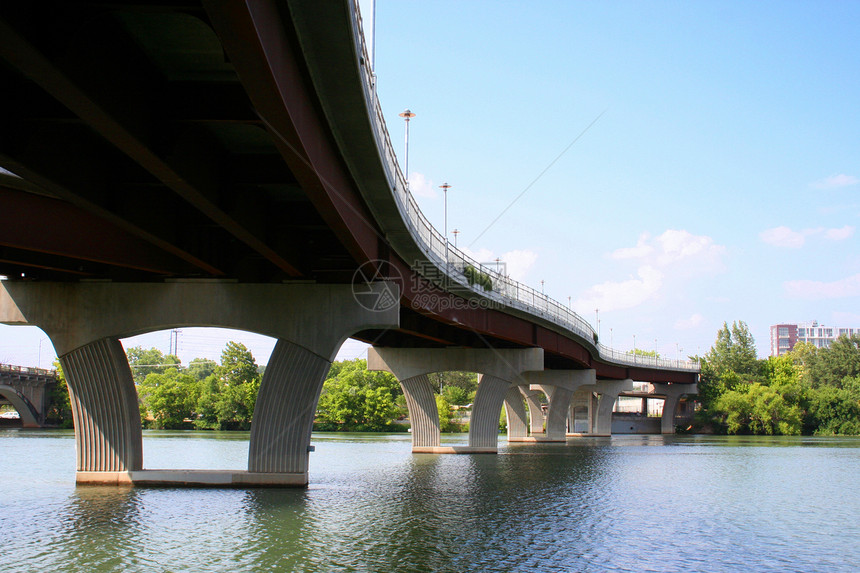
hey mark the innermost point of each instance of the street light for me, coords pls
(407, 115)
(455, 232)
(444, 187)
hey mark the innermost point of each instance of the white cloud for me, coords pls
(671, 247)
(625, 294)
(688, 323)
(675, 246)
(835, 181)
(817, 290)
(783, 237)
(641, 250)
(786, 237)
(839, 234)
(421, 186)
(518, 263)
(673, 256)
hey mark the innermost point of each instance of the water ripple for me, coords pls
(630, 504)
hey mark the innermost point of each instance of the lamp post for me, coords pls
(541, 286)
(455, 232)
(597, 321)
(444, 187)
(634, 349)
(407, 115)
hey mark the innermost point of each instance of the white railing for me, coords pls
(25, 370)
(455, 264)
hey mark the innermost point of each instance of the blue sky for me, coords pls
(719, 181)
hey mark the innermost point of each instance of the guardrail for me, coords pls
(12, 369)
(455, 264)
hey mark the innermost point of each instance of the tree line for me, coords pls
(210, 395)
(808, 390)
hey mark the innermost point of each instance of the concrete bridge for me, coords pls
(213, 163)
(28, 390)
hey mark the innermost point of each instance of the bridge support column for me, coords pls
(105, 411)
(284, 412)
(515, 413)
(582, 414)
(484, 427)
(609, 391)
(536, 417)
(86, 320)
(499, 369)
(559, 386)
(673, 393)
(423, 412)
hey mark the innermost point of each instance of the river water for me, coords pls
(629, 503)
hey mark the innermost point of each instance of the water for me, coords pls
(631, 503)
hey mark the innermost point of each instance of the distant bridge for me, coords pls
(28, 390)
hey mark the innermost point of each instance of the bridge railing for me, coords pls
(458, 267)
(24, 370)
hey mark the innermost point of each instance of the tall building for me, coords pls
(783, 337)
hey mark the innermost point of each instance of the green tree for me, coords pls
(730, 363)
(841, 360)
(145, 362)
(758, 409)
(237, 365)
(235, 405)
(60, 405)
(456, 395)
(445, 414)
(168, 399)
(226, 398)
(646, 353)
(355, 399)
(835, 411)
(202, 368)
(468, 381)
(208, 395)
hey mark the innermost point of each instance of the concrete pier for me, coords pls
(499, 370)
(86, 320)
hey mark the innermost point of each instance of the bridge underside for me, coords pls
(210, 140)
(161, 147)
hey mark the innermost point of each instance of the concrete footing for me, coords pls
(453, 450)
(193, 478)
(537, 439)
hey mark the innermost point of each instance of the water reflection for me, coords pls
(626, 504)
(99, 530)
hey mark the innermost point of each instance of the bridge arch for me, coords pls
(29, 414)
(500, 372)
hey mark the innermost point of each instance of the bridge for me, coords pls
(227, 164)
(28, 390)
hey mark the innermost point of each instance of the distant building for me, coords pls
(783, 337)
